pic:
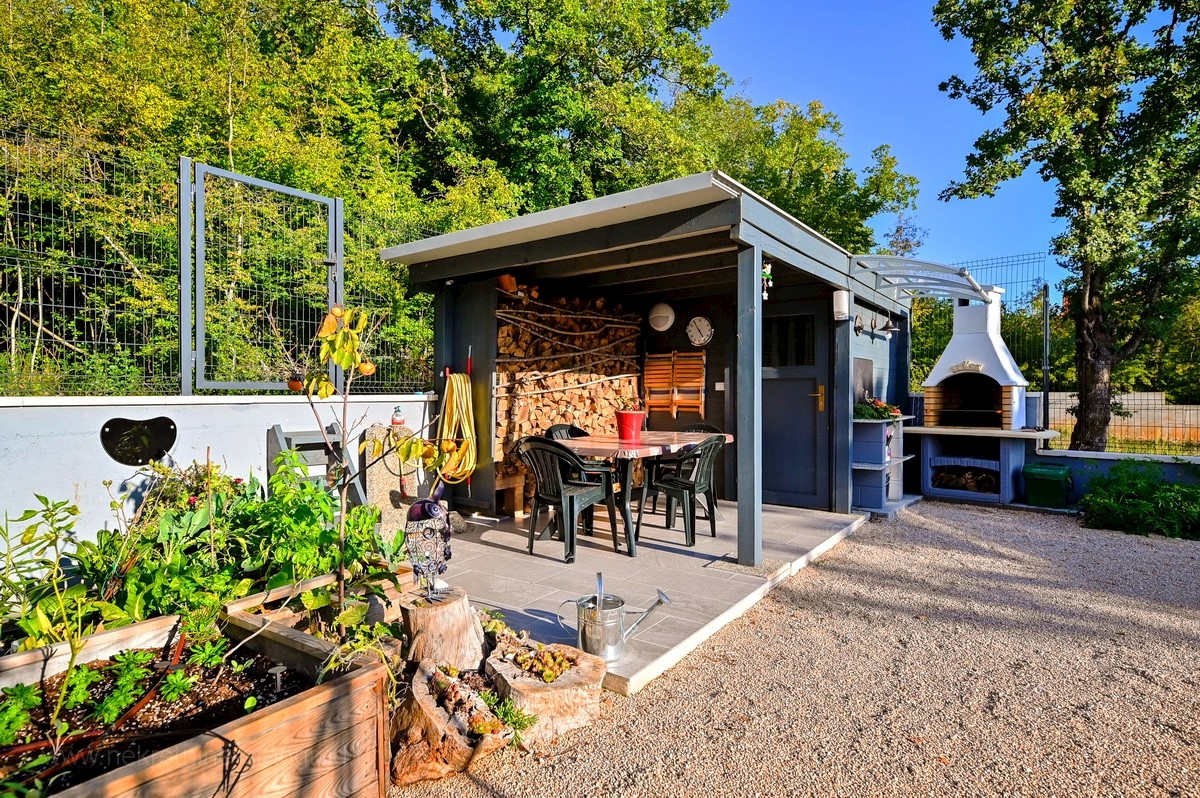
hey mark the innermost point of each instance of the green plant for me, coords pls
(14, 711)
(78, 686)
(209, 654)
(1133, 497)
(509, 714)
(875, 409)
(176, 685)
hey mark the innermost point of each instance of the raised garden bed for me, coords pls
(305, 739)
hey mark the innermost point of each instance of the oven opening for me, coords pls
(971, 400)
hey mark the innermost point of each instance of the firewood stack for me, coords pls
(972, 479)
(559, 361)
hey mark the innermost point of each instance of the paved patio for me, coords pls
(706, 586)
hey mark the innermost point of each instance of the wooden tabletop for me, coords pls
(651, 444)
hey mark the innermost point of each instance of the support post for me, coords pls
(749, 406)
(186, 351)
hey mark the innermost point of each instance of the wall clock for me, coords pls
(699, 331)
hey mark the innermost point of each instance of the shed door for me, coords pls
(796, 426)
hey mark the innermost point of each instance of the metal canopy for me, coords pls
(912, 277)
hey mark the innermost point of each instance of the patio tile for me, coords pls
(491, 564)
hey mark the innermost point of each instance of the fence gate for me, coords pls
(266, 264)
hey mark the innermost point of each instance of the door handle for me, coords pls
(820, 394)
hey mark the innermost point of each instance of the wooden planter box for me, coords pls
(330, 740)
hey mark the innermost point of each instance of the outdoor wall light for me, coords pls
(661, 317)
(886, 330)
(858, 325)
(841, 305)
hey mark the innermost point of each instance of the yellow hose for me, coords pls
(457, 424)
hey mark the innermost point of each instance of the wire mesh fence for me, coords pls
(90, 277)
(1143, 421)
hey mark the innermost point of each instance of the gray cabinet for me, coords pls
(877, 458)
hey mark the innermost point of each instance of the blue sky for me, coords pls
(876, 65)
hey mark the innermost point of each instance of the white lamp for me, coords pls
(841, 305)
(661, 317)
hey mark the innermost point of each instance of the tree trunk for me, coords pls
(1094, 360)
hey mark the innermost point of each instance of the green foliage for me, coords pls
(14, 711)
(209, 654)
(78, 685)
(1102, 101)
(509, 714)
(177, 685)
(1134, 498)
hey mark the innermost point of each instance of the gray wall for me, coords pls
(890, 381)
(1086, 465)
(51, 446)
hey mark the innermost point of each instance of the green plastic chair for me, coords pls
(548, 460)
(693, 479)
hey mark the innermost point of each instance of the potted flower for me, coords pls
(630, 418)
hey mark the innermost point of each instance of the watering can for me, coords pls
(600, 621)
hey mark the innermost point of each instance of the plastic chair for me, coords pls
(548, 461)
(697, 464)
(561, 432)
(669, 463)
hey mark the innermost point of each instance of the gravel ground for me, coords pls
(954, 651)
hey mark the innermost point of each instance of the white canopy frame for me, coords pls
(912, 277)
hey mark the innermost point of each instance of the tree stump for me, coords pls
(431, 742)
(571, 701)
(446, 631)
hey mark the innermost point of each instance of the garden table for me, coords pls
(625, 452)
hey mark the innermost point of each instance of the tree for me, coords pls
(793, 157)
(1102, 97)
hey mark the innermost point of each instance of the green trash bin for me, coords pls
(1047, 485)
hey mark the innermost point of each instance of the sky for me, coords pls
(876, 64)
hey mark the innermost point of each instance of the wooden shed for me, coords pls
(770, 302)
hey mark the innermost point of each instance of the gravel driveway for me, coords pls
(954, 651)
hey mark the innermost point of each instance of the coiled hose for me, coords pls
(457, 424)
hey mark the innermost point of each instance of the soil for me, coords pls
(218, 697)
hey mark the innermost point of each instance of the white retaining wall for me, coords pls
(51, 445)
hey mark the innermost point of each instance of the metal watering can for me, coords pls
(600, 621)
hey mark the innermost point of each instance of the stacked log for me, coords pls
(560, 360)
(972, 479)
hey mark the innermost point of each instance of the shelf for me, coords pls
(881, 466)
(985, 432)
(891, 420)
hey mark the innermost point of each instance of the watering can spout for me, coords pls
(663, 598)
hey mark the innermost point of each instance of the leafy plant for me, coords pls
(14, 711)
(176, 685)
(209, 654)
(875, 409)
(78, 686)
(1133, 497)
(509, 714)
(111, 707)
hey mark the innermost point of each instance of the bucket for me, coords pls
(629, 424)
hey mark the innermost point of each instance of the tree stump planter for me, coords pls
(446, 631)
(430, 742)
(329, 740)
(571, 701)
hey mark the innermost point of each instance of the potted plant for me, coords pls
(630, 418)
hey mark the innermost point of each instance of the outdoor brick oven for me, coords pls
(976, 382)
(973, 441)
